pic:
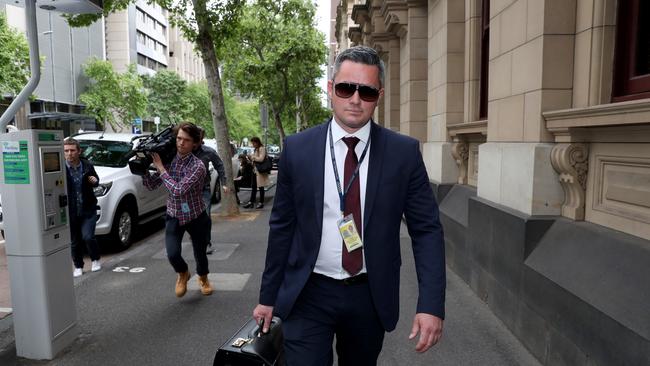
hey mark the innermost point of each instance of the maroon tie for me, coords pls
(352, 261)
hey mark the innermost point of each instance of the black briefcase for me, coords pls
(249, 346)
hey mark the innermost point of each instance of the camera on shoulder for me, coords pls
(163, 143)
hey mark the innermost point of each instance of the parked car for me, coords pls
(274, 153)
(122, 200)
(216, 197)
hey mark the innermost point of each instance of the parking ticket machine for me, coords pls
(34, 203)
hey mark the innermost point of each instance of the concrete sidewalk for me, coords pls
(135, 319)
(5, 291)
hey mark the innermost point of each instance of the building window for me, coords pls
(142, 39)
(485, 59)
(632, 55)
(142, 60)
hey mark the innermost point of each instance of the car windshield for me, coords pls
(106, 153)
(245, 150)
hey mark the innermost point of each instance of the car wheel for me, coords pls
(123, 227)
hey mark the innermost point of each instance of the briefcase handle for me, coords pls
(257, 331)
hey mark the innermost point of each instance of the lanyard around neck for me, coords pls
(344, 193)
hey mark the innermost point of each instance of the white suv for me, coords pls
(122, 199)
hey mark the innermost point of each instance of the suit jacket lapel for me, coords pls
(318, 174)
(377, 147)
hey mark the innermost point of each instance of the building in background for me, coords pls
(138, 34)
(63, 50)
(141, 34)
(534, 122)
(183, 58)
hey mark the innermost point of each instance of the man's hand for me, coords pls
(263, 312)
(157, 162)
(92, 180)
(225, 189)
(430, 329)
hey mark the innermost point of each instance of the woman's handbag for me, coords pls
(265, 165)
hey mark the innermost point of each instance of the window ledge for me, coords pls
(478, 127)
(581, 124)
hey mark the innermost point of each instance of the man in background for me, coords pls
(209, 155)
(82, 203)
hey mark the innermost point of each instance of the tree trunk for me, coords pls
(278, 125)
(205, 44)
(298, 107)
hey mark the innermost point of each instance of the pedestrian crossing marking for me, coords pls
(221, 251)
(222, 281)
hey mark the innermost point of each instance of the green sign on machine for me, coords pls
(15, 161)
(45, 136)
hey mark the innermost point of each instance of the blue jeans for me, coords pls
(82, 234)
(174, 237)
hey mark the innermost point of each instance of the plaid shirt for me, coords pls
(184, 180)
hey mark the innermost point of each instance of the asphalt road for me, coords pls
(128, 314)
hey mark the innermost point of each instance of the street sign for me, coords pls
(136, 126)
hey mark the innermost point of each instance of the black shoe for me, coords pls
(260, 205)
(209, 249)
(248, 205)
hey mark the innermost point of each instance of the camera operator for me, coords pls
(184, 178)
(209, 155)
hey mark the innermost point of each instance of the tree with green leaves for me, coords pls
(14, 59)
(243, 115)
(277, 55)
(206, 23)
(111, 97)
(167, 96)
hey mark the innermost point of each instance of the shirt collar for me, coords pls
(183, 158)
(67, 163)
(362, 134)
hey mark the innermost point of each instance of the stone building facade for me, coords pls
(534, 122)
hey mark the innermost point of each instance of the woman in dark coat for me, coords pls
(245, 175)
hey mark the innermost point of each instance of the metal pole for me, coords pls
(34, 63)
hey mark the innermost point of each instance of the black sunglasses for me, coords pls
(366, 93)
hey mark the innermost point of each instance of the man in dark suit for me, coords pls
(82, 179)
(350, 170)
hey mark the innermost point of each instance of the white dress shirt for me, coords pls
(329, 258)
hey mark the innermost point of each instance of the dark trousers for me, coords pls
(82, 235)
(254, 189)
(207, 200)
(238, 185)
(174, 238)
(328, 308)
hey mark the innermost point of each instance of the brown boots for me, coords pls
(181, 283)
(204, 284)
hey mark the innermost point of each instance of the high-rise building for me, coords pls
(63, 51)
(141, 34)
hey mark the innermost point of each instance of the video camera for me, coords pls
(163, 143)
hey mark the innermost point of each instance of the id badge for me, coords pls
(349, 233)
(185, 207)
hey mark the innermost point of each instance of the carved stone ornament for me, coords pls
(460, 152)
(571, 162)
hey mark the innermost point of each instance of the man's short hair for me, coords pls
(71, 141)
(190, 129)
(363, 55)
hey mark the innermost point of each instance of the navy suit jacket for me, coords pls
(397, 184)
